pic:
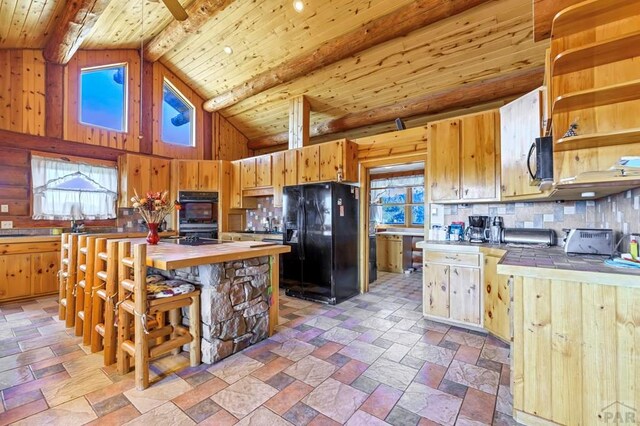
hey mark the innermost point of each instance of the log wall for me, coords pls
(228, 143)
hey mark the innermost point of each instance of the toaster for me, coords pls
(589, 241)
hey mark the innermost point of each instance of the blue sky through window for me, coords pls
(103, 97)
(177, 122)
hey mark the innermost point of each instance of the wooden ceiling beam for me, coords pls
(462, 96)
(543, 13)
(398, 23)
(73, 26)
(199, 13)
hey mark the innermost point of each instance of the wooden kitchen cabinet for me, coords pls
(196, 175)
(309, 164)
(142, 174)
(236, 200)
(444, 160)
(278, 176)
(451, 287)
(480, 175)
(464, 294)
(389, 253)
(291, 167)
(521, 122)
(340, 156)
(29, 269)
(248, 173)
(263, 171)
(497, 299)
(464, 157)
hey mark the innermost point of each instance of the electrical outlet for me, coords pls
(4, 208)
(6, 224)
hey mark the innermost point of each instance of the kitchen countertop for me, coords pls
(545, 262)
(407, 234)
(30, 239)
(168, 256)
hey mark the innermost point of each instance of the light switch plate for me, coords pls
(4, 208)
(6, 224)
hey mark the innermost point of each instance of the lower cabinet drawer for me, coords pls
(462, 259)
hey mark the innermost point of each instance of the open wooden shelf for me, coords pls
(590, 14)
(622, 92)
(595, 140)
(598, 53)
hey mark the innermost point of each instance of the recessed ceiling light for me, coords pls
(228, 50)
(298, 5)
(589, 194)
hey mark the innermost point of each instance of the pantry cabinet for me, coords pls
(29, 269)
(464, 158)
(140, 173)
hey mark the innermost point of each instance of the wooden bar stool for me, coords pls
(89, 279)
(135, 302)
(81, 258)
(67, 278)
(105, 293)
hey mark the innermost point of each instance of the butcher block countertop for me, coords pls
(168, 256)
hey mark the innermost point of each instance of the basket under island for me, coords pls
(239, 289)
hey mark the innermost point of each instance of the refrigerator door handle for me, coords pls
(302, 224)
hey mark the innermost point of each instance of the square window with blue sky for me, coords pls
(103, 97)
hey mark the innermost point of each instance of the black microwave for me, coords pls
(543, 173)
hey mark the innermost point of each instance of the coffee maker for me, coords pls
(478, 232)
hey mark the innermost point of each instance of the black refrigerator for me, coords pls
(321, 227)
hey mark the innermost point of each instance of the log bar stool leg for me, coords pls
(124, 329)
(70, 314)
(89, 280)
(81, 282)
(62, 277)
(140, 317)
(97, 314)
(111, 289)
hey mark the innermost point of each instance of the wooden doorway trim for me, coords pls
(363, 234)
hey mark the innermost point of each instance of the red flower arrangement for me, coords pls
(154, 206)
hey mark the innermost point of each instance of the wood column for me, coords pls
(299, 113)
(54, 100)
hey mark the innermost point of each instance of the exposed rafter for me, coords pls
(398, 23)
(199, 13)
(73, 26)
(462, 96)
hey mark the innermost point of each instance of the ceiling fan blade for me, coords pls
(176, 9)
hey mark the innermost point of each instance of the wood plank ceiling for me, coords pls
(486, 41)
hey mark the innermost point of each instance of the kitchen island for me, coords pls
(238, 284)
(573, 322)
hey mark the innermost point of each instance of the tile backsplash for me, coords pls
(266, 209)
(620, 212)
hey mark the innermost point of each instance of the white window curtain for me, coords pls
(64, 190)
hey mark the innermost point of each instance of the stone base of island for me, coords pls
(234, 301)
(238, 285)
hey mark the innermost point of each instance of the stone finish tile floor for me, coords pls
(372, 360)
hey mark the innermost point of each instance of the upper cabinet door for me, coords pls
(290, 167)
(248, 173)
(444, 160)
(480, 153)
(277, 176)
(208, 175)
(263, 170)
(309, 164)
(188, 175)
(520, 125)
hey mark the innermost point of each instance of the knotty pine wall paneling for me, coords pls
(22, 91)
(228, 142)
(160, 72)
(73, 130)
